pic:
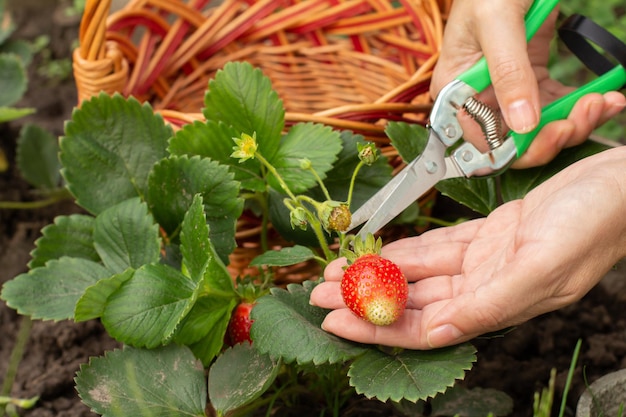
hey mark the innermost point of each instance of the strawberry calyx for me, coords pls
(362, 247)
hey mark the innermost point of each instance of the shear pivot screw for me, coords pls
(431, 167)
(450, 131)
(467, 156)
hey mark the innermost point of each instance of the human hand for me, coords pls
(520, 78)
(526, 258)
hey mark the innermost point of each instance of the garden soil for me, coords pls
(518, 363)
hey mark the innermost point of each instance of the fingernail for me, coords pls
(522, 117)
(443, 335)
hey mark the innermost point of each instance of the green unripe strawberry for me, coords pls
(375, 289)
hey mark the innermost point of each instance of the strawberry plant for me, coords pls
(149, 257)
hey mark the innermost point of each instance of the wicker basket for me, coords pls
(350, 64)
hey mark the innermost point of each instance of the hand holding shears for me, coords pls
(438, 162)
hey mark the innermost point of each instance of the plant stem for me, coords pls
(32, 205)
(315, 224)
(275, 173)
(16, 356)
(353, 181)
(321, 183)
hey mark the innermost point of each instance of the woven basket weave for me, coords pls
(349, 64)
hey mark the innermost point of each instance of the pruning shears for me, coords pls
(441, 159)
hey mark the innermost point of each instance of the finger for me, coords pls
(404, 333)
(615, 104)
(427, 261)
(327, 295)
(589, 112)
(546, 145)
(512, 74)
(334, 270)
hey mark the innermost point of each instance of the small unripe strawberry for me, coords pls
(335, 216)
(375, 289)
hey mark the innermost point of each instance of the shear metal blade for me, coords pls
(419, 176)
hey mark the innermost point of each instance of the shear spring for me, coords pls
(487, 119)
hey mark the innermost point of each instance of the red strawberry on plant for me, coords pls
(374, 288)
(238, 330)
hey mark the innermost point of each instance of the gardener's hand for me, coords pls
(526, 258)
(519, 75)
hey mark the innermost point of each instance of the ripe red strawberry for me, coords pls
(240, 323)
(375, 289)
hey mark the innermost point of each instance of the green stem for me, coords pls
(319, 234)
(353, 181)
(32, 205)
(315, 224)
(321, 183)
(275, 173)
(16, 356)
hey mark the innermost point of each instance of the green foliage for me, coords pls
(13, 79)
(164, 382)
(150, 259)
(241, 369)
(37, 157)
(109, 149)
(15, 56)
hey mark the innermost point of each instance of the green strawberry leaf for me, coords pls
(284, 256)
(109, 148)
(164, 382)
(147, 308)
(175, 181)
(203, 329)
(242, 97)
(68, 236)
(52, 291)
(195, 245)
(479, 194)
(92, 303)
(286, 326)
(215, 140)
(13, 80)
(11, 113)
(118, 231)
(411, 374)
(516, 183)
(242, 370)
(315, 142)
(20, 47)
(408, 139)
(200, 259)
(37, 157)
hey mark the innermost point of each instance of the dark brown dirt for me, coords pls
(518, 363)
